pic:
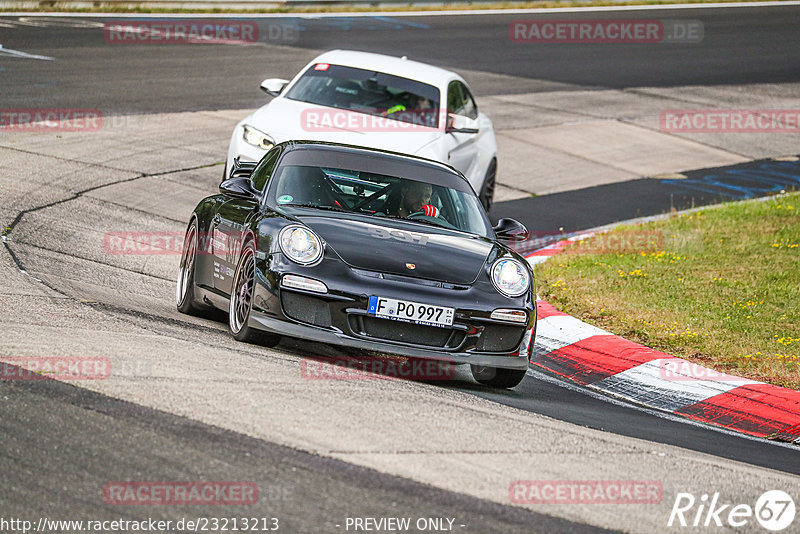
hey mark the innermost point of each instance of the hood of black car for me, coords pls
(403, 248)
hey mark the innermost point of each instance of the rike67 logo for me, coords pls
(774, 510)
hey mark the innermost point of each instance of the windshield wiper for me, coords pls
(314, 206)
(422, 221)
(426, 221)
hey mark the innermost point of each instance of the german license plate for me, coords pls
(410, 312)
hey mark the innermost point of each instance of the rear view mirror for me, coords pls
(274, 86)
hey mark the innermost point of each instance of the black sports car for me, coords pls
(363, 248)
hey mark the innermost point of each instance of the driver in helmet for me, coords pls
(414, 197)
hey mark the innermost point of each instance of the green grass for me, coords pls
(720, 286)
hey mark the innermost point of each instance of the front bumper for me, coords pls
(340, 317)
(311, 333)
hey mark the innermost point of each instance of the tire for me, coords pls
(497, 378)
(241, 302)
(185, 288)
(487, 190)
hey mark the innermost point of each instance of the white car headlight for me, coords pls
(257, 138)
(300, 245)
(510, 277)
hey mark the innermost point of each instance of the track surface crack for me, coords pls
(74, 196)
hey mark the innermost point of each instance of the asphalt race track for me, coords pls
(741, 45)
(189, 404)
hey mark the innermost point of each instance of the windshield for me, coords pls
(378, 195)
(369, 92)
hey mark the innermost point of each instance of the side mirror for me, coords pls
(274, 86)
(511, 231)
(239, 187)
(461, 124)
(242, 169)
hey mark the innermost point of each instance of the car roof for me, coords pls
(295, 144)
(405, 68)
(300, 144)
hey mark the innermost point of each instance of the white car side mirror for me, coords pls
(461, 124)
(274, 86)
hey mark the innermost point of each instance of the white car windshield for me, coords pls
(364, 91)
(378, 195)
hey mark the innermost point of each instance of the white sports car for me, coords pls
(378, 101)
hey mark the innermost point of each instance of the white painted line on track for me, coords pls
(536, 260)
(23, 55)
(558, 331)
(587, 9)
(646, 385)
(544, 377)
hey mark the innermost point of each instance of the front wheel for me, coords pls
(497, 378)
(241, 302)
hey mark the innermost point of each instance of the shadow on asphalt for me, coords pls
(591, 207)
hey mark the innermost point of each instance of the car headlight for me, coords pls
(300, 245)
(510, 277)
(257, 138)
